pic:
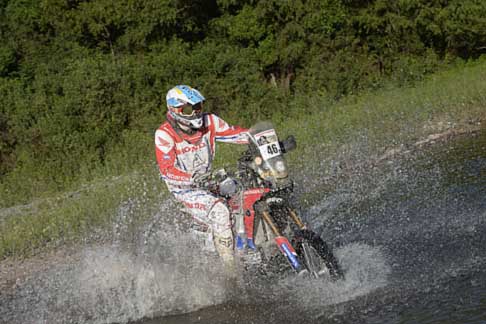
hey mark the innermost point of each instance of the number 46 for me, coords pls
(273, 149)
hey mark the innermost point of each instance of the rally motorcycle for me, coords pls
(258, 194)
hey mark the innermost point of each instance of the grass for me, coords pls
(73, 217)
(397, 116)
(383, 119)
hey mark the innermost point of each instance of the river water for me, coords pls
(409, 231)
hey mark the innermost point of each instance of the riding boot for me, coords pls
(223, 243)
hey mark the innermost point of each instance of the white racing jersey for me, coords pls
(179, 155)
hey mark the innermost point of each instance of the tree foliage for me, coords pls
(82, 83)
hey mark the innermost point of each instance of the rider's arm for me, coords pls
(165, 153)
(227, 133)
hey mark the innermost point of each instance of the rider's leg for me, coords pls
(211, 210)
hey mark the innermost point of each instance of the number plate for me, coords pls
(268, 144)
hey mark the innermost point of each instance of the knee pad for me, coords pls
(219, 215)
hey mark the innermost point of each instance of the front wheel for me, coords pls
(316, 255)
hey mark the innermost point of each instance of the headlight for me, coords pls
(280, 166)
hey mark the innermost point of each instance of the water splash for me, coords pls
(168, 274)
(109, 284)
(365, 270)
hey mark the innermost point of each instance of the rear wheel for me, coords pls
(316, 255)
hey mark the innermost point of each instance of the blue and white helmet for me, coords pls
(185, 107)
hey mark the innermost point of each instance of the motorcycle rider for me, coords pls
(185, 148)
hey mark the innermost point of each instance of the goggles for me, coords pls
(188, 109)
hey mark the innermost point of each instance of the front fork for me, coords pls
(282, 242)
